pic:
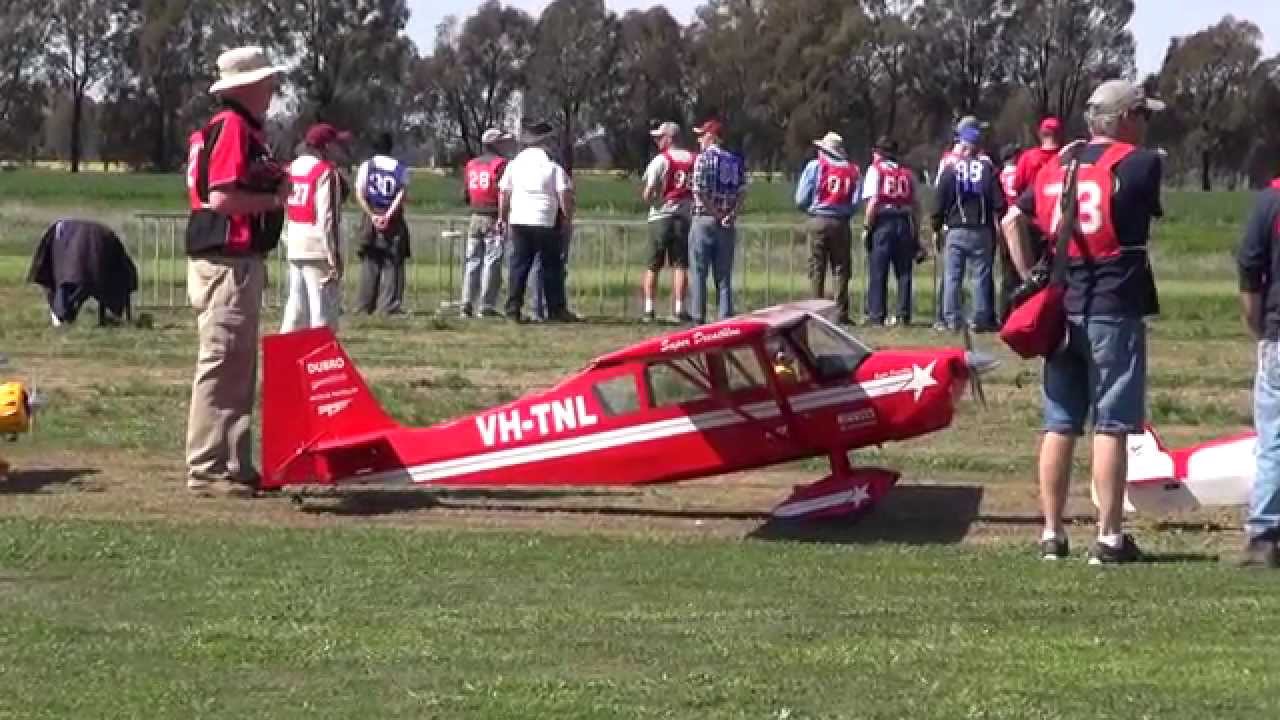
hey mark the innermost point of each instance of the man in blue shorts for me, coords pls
(1101, 369)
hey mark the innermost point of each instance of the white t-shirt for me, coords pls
(534, 182)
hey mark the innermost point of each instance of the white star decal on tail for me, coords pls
(921, 379)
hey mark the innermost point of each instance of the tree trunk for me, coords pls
(77, 109)
(1205, 157)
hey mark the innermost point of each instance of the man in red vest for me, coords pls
(828, 191)
(1259, 268)
(1101, 370)
(668, 188)
(482, 275)
(890, 231)
(237, 192)
(313, 233)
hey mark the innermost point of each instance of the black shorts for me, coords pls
(669, 242)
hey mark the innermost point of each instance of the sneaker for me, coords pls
(466, 312)
(1260, 553)
(490, 313)
(220, 488)
(874, 322)
(1055, 548)
(891, 322)
(649, 316)
(984, 329)
(1103, 554)
(940, 327)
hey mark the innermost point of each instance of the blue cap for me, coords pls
(971, 135)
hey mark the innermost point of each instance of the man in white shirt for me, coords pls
(382, 185)
(536, 203)
(313, 238)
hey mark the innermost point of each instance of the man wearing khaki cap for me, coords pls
(827, 191)
(482, 272)
(1101, 370)
(237, 192)
(668, 188)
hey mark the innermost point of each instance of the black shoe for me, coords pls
(1056, 548)
(649, 317)
(564, 316)
(985, 329)
(1103, 554)
(683, 318)
(1260, 553)
(466, 312)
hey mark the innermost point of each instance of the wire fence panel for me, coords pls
(607, 259)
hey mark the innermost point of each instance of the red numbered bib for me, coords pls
(301, 205)
(1096, 236)
(482, 175)
(678, 185)
(836, 181)
(897, 188)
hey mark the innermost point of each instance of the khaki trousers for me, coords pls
(227, 294)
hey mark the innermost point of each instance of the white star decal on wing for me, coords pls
(921, 379)
(859, 495)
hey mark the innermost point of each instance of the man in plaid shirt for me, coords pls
(719, 185)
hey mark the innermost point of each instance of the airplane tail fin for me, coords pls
(1149, 459)
(311, 393)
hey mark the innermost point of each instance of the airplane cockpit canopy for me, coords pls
(833, 353)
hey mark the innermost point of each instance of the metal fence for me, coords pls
(607, 259)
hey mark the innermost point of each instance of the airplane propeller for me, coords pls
(979, 363)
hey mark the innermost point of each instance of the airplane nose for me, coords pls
(980, 363)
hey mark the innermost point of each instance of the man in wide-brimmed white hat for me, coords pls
(536, 202)
(828, 192)
(237, 193)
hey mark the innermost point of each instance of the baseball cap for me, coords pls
(1050, 125)
(668, 129)
(493, 135)
(886, 145)
(969, 134)
(971, 121)
(321, 135)
(1118, 96)
(709, 127)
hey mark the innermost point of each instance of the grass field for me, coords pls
(122, 597)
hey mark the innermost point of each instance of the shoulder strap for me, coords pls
(1068, 203)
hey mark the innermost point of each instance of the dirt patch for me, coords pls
(733, 506)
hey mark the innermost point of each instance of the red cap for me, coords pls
(322, 135)
(709, 127)
(1050, 125)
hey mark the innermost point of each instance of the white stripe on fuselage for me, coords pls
(659, 430)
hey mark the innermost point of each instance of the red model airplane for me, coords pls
(774, 386)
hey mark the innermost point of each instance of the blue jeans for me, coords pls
(892, 244)
(1102, 372)
(711, 247)
(538, 300)
(976, 246)
(1264, 502)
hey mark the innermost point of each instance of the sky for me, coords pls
(1154, 22)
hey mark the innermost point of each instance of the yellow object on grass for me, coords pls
(15, 413)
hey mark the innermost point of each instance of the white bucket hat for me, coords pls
(832, 144)
(243, 66)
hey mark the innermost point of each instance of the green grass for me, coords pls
(117, 620)
(123, 598)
